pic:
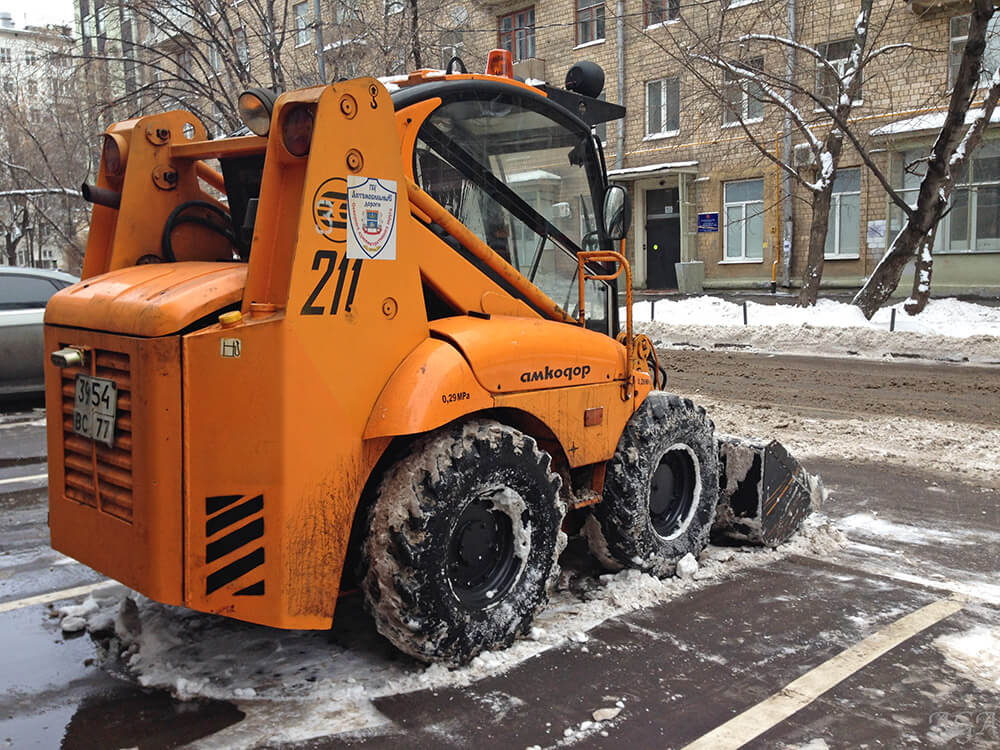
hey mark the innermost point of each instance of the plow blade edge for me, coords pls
(764, 493)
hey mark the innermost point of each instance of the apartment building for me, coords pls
(703, 194)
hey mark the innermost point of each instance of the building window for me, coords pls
(30, 58)
(589, 21)
(959, 34)
(843, 233)
(744, 215)
(838, 54)
(184, 63)
(302, 15)
(663, 107)
(345, 11)
(743, 97)
(972, 222)
(661, 11)
(5, 55)
(517, 33)
(243, 50)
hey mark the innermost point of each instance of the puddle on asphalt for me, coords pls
(55, 696)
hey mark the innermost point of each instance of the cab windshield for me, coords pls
(522, 181)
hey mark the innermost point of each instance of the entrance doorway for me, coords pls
(663, 237)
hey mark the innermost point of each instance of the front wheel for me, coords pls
(463, 542)
(661, 488)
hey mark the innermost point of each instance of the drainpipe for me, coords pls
(320, 60)
(620, 28)
(786, 150)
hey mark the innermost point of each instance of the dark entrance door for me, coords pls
(663, 238)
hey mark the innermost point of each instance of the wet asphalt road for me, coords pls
(679, 670)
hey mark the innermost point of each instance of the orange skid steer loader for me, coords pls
(384, 330)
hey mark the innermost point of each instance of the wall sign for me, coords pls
(708, 222)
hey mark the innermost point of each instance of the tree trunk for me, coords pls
(885, 278)
(922, 275)
(415, 35)
(943, 165)
(817, 244)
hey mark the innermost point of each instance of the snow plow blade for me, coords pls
(764, 493)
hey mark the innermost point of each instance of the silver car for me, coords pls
(23, 295)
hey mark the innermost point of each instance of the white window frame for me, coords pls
(743, 205)
(597, 16)
(5, 56)
(743, 85)
(302, 23)
(992, 40)
(663, 109)
(942, 241)
(839, 64)
(671, 11)
(833, 222)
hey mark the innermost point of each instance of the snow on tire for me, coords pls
(463, 543)
(661, 488)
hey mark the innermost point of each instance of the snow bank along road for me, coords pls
(882, 634)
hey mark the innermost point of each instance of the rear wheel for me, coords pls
(463, 543)
(661, 488)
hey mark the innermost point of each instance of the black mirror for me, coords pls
(617, 212)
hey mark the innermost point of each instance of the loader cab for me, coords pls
(522, 172)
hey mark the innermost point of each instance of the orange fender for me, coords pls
(433, 386)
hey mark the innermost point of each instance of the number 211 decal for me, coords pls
(330, 258)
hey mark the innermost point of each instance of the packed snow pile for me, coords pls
(946, 329)
(975, 652)
(332, 676)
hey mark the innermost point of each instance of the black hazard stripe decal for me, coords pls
(225, 513)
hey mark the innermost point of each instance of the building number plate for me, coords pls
(95, 408)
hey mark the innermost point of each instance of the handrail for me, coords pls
(609, 256)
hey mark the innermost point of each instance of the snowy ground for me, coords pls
(947, 329)
(328, 681)
(298, 685)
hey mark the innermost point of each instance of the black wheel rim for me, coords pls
(482, 565)
(671, 492)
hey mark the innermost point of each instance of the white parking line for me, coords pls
(29, 478)
(55, 596)
(799, 693)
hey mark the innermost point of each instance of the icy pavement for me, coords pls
(329, 679)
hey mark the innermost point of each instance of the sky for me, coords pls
(38, 12)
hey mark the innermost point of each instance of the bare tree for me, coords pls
(47, 146)
(815, 97)
(948, 156)
(200, 55)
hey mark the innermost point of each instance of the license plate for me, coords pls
(95, 408)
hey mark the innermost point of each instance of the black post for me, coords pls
(892, 319)
(652, 309)
(744, 312)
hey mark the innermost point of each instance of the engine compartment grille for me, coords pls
(98, 475)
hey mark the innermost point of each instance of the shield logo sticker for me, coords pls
(371, 212)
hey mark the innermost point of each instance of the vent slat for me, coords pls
(117, 477)
(81, 497)
(110, 487)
